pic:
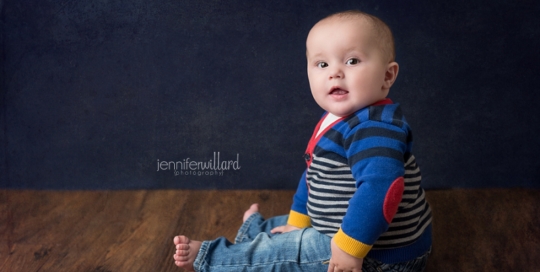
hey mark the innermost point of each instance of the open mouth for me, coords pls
(338, 91)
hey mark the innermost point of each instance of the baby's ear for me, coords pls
(391, 74)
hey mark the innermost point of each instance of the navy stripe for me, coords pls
(353, 121)
(400, 228)
(419, 225)
(376, 152)
(411, 166)
(338, 221)
(411, 176)
(413, 192)
(407, 234)
(340, 169)
(374, 132)
(334, 136)
(326, 206)
(324, 217)
(350, 191)
(319, 172)
(412, 208)
(397, 119)
(350, 184)
(330, 199)
(320, 152)
(376, 112)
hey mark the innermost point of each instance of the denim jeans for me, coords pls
(256, 249)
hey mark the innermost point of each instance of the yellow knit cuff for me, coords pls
(299, 220)
(350, 245)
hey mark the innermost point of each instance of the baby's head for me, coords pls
(350, 57)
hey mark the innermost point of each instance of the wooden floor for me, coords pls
(474, 230)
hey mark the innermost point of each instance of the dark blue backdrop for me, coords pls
(104, 94)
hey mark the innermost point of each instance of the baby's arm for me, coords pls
(376, 160)
(298, 217)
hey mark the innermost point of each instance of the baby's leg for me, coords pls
(252, 209)
(186, 252)
(254, 224)
(301, 250)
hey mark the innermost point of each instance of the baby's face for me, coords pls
(346, 70)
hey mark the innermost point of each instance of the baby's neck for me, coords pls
(328, 120)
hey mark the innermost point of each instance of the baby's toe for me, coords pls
(181, 239)
(182, 246)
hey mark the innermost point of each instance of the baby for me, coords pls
(359, 205)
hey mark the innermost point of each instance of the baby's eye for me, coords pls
(352, 61)
(322, 64)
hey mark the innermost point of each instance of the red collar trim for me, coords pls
(385, 101)
(315, 138)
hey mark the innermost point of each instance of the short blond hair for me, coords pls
(381, 30)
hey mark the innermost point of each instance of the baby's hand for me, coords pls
(342, 261)
(283, 229)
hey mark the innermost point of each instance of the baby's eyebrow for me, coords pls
(318, 55)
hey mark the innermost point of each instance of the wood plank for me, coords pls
(474, 230)
(117, 230)
(485, 230)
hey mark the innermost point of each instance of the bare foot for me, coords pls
(252, 209)
(186, 252)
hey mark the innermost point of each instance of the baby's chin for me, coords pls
(339, 113)
(342, 112)
(346, 108)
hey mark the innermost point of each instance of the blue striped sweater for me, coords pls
(362, 186)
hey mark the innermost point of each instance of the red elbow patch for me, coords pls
(393, 198)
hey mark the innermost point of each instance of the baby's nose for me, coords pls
(336, 73)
